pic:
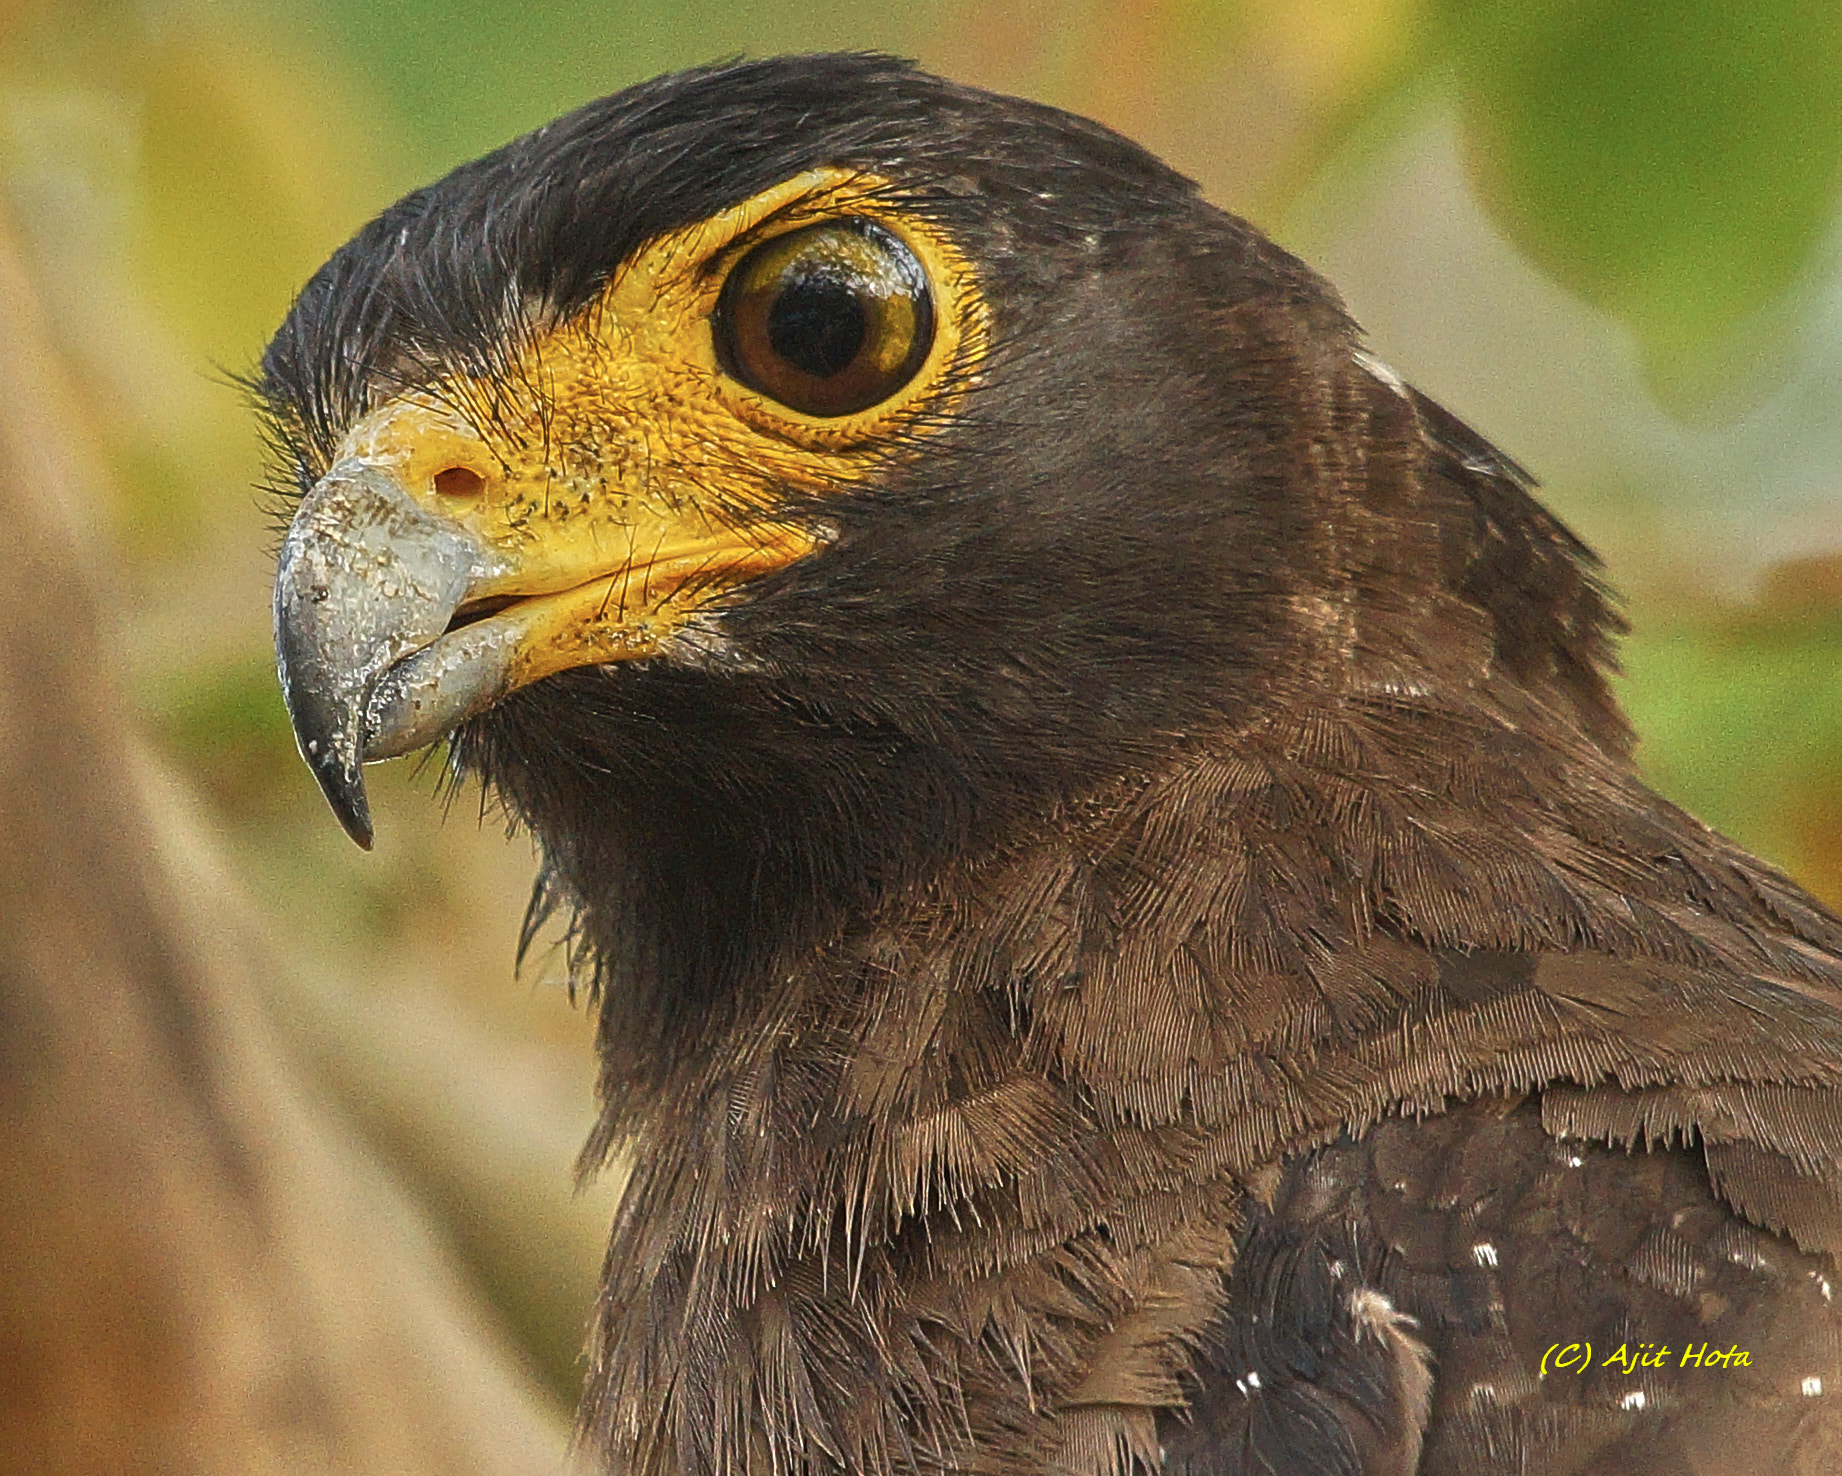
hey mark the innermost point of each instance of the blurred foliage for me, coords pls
(464, 78)
(176, 168)
(1744, 709)
(1675, 162)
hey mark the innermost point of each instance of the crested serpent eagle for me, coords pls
(1125, 927)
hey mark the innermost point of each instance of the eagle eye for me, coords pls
(829, 319)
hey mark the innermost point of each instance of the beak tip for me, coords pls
(344, 787)
(358, 826)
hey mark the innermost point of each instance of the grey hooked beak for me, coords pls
(367, 580)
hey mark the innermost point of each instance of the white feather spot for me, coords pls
(1375, 1315)
(1380, 370)
(1253, 1378)
(1395, 687)
(1634, 1400)
(1812, 1386)
(1484, 1253)
(1822, 1285)
(1574, 1160)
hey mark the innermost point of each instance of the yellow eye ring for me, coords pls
(828, 320)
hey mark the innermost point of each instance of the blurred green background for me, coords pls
(1605, 233)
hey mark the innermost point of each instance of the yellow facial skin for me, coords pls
(616, 466)
(585, 501)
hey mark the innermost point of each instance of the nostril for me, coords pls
(459, 481)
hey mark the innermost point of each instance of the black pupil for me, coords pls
(817, 324)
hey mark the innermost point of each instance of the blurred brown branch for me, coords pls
(199, 1269)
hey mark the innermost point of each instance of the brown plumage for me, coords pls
(1137, 941)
